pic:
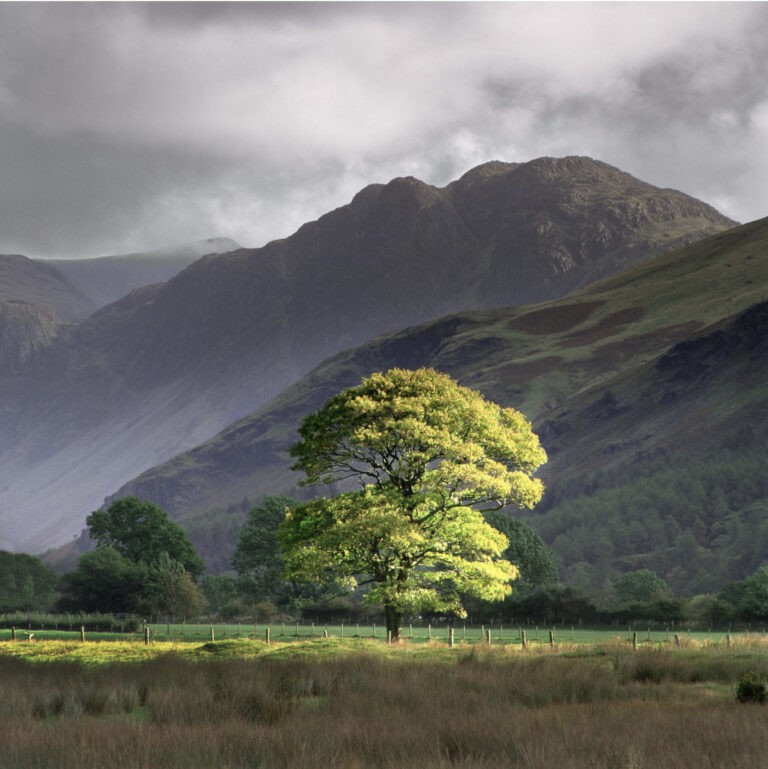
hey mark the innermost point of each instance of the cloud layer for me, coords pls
(127, 127)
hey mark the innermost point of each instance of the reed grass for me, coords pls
(380, 706)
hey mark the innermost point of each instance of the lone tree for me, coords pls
(430, 457)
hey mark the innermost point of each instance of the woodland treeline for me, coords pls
(254, 589)
(697, 521)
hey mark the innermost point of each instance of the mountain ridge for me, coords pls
(610, 375)
(167, 367)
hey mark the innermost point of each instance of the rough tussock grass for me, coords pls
(466, 708)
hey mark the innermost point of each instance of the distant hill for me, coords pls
(41, 284)
(106, 279)
(650, 385)
(168, 366)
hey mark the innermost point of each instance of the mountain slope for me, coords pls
(106, 279)
(168, 366)
(24, 328)
(668, 357)
(41, 284)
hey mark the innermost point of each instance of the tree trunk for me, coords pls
(393, 618)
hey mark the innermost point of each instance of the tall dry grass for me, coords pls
(486, 710)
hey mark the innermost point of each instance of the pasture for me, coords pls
(358, 702)
(501, 635)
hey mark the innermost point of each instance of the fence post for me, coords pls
(552, 638)
(213, 637)
(342, 630)
(266, 635)
(450, 637)
(728, 640)
(389, 636)
(522, 639)
(634, 641)
(82, 632)
(13, 633)
(146, 635)
(325, 632)
(429, 632)
(489, 636)
(410, 627)
(677, 641)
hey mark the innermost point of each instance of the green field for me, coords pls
(349, 703)
(412, 634)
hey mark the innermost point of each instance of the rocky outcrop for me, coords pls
(24, 328)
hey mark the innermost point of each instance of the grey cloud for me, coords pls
(128, 126)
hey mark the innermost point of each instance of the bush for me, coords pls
(751, 688)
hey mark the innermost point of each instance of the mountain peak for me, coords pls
(167, 367)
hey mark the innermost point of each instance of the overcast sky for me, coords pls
(131, 127)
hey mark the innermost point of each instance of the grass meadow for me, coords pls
(359, 702)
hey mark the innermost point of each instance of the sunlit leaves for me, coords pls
(428, 456)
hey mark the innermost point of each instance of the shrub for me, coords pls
(751, 687)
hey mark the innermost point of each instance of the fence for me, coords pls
(104, 627)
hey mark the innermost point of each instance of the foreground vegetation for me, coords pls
(361, 703)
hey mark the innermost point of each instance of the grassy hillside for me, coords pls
(170, 365)
(660, 364)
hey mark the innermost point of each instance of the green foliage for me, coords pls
(26, 584)
(643, 586)
(698, 522)
(527, 550)
(218, 590)
(141, 532)
(556, 604)
(753, 604)
(105, 581)
(233, 608)
(751, 688)
(427, 453)
(173, 589)
(258, 560)
(143, 562)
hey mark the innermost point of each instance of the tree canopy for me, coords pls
(430, 456)
(105, 581)
(641, 586)
(527, 550)
(142, 532)
(26, 584)
(143, 562)
(257, 558)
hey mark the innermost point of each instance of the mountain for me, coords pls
(168, 366)
(650, 385)
(42, 285)
(108, 278)
(24, 329)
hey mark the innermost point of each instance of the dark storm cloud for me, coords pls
(130, 126)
